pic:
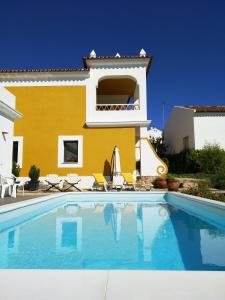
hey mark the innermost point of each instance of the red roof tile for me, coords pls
(149, 57)
(85, 69)
(215, 108)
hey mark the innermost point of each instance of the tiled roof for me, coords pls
(215, 108)
(149, 57)
(85, 69)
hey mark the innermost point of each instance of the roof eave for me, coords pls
(9, 112)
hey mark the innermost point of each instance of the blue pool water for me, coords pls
(141, 231)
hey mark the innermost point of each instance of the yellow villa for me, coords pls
(73, 118)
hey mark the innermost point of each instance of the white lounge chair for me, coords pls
(54, 181)
(118, 182)
(72, 180)
(6, 183)
(19, 182)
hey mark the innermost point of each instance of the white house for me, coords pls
(195, 126)
(7, 116)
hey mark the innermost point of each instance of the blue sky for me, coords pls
(186, 38)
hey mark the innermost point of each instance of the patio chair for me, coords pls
(54, 182)
(18, 182)
(72, 180)
(100, 181)
(129, 181)
(6, 183)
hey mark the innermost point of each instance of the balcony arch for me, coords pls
(117, 93)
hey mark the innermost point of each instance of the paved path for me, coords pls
(19, 198)
(111, 285)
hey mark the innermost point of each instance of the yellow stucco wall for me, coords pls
(52, 111)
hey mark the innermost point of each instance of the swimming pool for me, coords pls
(134, 231)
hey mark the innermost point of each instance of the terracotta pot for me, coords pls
(173, 185)
(161, 183)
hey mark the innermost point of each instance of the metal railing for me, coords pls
(110, 107)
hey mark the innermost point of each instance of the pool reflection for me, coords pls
(92, 235)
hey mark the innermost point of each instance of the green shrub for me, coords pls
(15, 169)
(170, 176)
(184, 162)
(211, 159)
(34, 173)
(218, 180)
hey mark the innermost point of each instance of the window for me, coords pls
(15, 151)
(70, 151)
(17, 154)
(186, 142)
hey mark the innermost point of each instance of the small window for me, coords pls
(70, 151)
(17, 155)
(15, 151)
(186, 142)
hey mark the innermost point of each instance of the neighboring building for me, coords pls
(73, 118)
(194, 127)
(7, 117)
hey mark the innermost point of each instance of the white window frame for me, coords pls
(19, 139)
(61, 139)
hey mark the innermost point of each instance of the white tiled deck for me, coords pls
(111, 285)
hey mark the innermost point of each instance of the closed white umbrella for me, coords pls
(116, 162)
(117, 178)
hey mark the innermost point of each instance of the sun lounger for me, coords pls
(129, 181)
(72, 180)
(54, 181)
(100, 181)
(118, 182)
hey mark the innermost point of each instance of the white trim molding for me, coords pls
(19, 139)
(9, 112)
(119, 124)
(61, 139)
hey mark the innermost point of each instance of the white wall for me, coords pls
(6, 139)
(179, 125)
(151, 164)
(209, 128)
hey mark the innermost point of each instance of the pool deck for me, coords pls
(20, 197)
(107, 284)
(111, 285)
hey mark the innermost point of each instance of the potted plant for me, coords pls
(172, 183)
(15, 169)
(160, 182)
(34, 174)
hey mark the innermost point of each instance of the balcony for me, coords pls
(110, 107)
(116, 103)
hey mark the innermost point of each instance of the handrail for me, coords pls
(107, 107)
